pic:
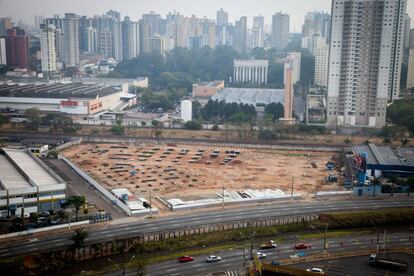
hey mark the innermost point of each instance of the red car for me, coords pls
(185, 259)
(302, 246)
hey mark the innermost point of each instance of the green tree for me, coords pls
(78, 238)
(75, 202)
(33, 117)
(3, 119)
(274, 110)
(193, 125)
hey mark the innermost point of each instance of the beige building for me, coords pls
(288, 105)
(321, 65)
(207, 89)
(250, 70)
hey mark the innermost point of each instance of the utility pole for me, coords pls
(150, 203)
(324, 239)
(291, 192)
(385, 231)
(222, 198)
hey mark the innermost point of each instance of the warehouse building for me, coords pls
(384, 160)
(27, 185)
(71, 98)
(251, 96)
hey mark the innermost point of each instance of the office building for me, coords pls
(38, 19)
(407, 28)
(115, 28)
(365, 61)
(280, 31)
(5, 24)
(410, 73)
(130, 39)
(48, 49)
(17, 48)
(222, 18)
(293, 62)
(240, 35)
(321, 65)
(252, 71)
(71, 39)
(3, 55)
(84, 24)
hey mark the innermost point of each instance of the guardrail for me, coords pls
(43, 229)
(112, 198)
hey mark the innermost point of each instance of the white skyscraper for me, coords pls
(410, 73)
(92, 40)
(161, 44)
(321, 65)
(48, 48)
(365, 60)
(130, 39)
(3, 58)
(71, 39)
(280, 31)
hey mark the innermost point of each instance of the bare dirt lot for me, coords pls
(191, 172)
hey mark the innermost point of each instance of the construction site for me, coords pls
(179, 173)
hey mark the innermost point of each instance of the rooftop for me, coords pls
(387, 155)
(55, 91)
(19, 169)
(210, 83)
(251, 96)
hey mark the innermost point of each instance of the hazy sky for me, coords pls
(27, 9)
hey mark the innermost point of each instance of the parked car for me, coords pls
(302, 246)
(213, 259)
(185, 259)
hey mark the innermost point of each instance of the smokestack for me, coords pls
(288, 105)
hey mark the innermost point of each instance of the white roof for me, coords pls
(10, 177)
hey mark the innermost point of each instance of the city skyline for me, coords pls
(296, 9)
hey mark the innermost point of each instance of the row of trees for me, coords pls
(400, 113)
(233, 112)
(182, 67)
(58, 122)
(165, 99)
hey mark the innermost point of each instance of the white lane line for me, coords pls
(171, 270)
(5, 254)
(34, 248)
(196, 265)
(201, 269)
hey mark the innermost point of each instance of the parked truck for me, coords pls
(387, 263)
(268, 245)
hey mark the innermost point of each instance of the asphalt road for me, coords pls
(45, 243)
(232, 260)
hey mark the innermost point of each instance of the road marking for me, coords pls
(5, 254)
(226, 264)
(34, 248)
(171, 270)
(196, 265)
(201, 269)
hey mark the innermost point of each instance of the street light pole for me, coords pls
(291, 192)
(324, 240)
(222, 198)
(150, 199)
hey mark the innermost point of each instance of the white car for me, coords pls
(261, 255)
(315, 270)
(213, 259)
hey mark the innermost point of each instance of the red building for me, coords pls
(17, 48)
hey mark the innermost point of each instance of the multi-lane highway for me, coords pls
(232, 260)
(44, 243)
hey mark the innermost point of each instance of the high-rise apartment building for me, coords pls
(71, 39)
(130, 39)
(321, 65)
(48, 48)
(208, 30)
(364, 61)
(153, 20)
(410, 73)
(176, 28)
(115, 29)
(293, 62)
(3, 55)
(84, 24)
(280, 31)
(407, 28)
(222, 18)
(316, 23)
(92, 40)
(161, 44)
(17, 48)
(240, 35)
(258, 32)
(144, 37)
